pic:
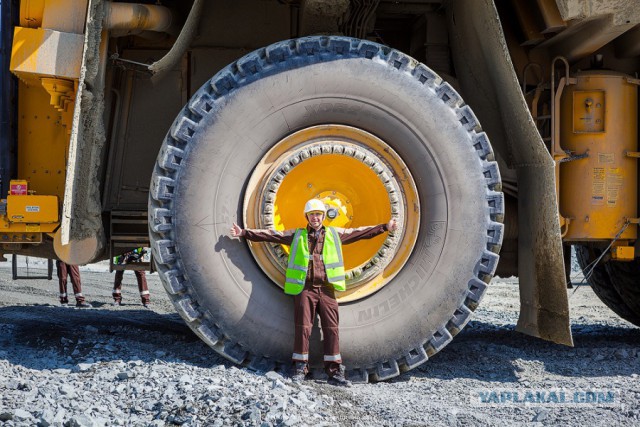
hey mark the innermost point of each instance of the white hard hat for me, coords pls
(315, 205)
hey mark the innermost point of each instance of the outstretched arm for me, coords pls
(351, 235)
(265, 235)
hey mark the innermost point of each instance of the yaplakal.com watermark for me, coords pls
(545, 397)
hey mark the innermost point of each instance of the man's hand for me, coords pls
(236, 231)
(392, 225)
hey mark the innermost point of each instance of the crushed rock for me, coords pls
(133, 366)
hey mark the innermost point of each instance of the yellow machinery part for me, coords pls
(49, 60)
(24, 217)
(32, 209)
(46, 56)
(623, 253)
(39, 52)
(599, 192)
(27, 217)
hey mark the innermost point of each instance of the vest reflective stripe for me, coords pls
(336, 238)
(332, 258)
(299, 261)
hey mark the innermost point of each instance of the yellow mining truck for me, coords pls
(483, 127)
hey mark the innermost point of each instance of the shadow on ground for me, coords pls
(48, 337)
(488, 352)
(52, 337)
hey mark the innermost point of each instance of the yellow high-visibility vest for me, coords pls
(298, 264)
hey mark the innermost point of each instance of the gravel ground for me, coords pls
(143, 367)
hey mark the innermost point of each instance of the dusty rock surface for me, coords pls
(62, 366)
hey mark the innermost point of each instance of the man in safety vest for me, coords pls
(314, 272)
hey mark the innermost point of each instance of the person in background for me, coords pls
(127, 258)
(64, 271)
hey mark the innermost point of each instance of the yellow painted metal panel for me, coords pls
(42, 141)
(32, 209)
(598, 193)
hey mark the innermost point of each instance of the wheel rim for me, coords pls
(362, 181)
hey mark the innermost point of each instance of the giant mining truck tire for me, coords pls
(612, 282)
(373, 133)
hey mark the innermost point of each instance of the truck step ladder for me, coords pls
(129, 230)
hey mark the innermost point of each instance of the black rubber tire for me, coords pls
(14, 267)
(625, 277)
(603, 285)
(199, 181)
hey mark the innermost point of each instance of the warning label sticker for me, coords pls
(614, 183)
(33, 208)
(598, 186)
(606, 158)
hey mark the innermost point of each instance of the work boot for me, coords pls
(299, 372)
(83, 305)
(338, 379)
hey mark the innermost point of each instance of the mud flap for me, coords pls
(81, 237)
(544, 306)
(490, 86)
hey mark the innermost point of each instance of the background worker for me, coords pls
(315, 271)
(64, 271)
(128, 258)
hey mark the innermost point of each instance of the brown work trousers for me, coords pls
(64, 271)
(142, 286)
(322, 300)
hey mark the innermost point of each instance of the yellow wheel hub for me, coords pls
(362, 182)
(339, 209)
